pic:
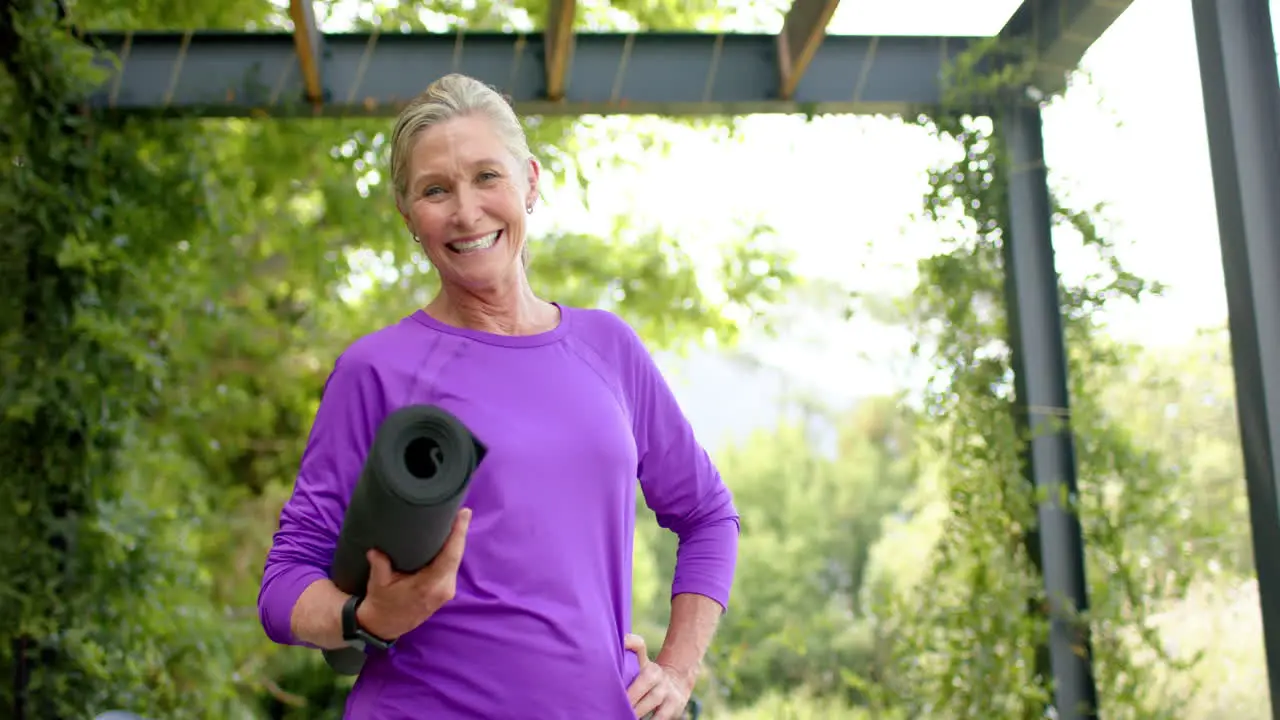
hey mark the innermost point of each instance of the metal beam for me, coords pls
(309, 47)
(1059, 33)
(802, 32)
(1043, 409)
(220, 74)
(559, 42)
(1236, 45)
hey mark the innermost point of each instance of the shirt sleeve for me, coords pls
(302, 549)
(682, 485)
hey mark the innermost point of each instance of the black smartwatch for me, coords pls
(354, 635)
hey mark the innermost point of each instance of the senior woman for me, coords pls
(526, 613)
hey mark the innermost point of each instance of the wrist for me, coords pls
(368, 620)
(685, 674)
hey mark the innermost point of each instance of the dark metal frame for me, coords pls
(1236, 45)
(799, 70)
(1056, 545)
(374, 74)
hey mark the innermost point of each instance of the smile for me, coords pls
(484, 242)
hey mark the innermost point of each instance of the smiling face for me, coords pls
(466, 200)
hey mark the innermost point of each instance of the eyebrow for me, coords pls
(482, 162)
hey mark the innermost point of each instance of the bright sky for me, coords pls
(841, 192)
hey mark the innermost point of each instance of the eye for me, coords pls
(488, 175)
(432, 190)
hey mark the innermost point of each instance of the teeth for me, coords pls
(482, 243)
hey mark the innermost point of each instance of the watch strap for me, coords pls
(353, 634)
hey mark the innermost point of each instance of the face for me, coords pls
(466, 200)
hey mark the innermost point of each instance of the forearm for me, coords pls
(317, 616)
(704, 573)
(693, 623)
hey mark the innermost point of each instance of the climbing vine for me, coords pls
(971, 641)
(173, 295)
(111, 610)
(86, 266)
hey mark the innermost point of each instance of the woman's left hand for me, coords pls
(658, 692)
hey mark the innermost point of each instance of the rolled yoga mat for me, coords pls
(404, 503)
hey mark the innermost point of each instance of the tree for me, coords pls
(797, 620)
(180, 290)
(968, 640)
(85, 262)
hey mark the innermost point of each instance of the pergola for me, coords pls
(804, 70)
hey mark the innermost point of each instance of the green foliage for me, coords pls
(860, 580)
(1178, 402)
(799, 705)
(86, 353)
(969, 640)
(798, 620)
(530, 15)
(177, 293)
(174, 14)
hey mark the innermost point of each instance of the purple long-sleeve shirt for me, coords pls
(571, 417)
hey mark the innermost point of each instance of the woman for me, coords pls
(526, 612)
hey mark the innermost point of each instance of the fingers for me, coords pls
(648, 704)
(635, 644)
(647, 680)
(662, 703)
(653, 694)
(641, 694)
(380, 572)
(413, 598)
(668, 712)
(451, 554)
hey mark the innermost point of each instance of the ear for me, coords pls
(532, 173)
(404, 215)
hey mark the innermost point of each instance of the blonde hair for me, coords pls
(454, 96)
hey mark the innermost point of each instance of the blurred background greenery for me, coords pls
(176, 293)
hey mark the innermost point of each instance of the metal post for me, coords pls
(1040, 370)
(1238, 76)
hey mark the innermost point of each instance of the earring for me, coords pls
(529, 210)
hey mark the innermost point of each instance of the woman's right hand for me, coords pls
(396, 603)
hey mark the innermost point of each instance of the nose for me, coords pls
(467, 211)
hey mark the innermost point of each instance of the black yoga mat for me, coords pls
(404, 503)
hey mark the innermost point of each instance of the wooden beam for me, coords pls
(802, 32)
(308, 45)
(559, 47)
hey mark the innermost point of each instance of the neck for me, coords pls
(514, 310)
